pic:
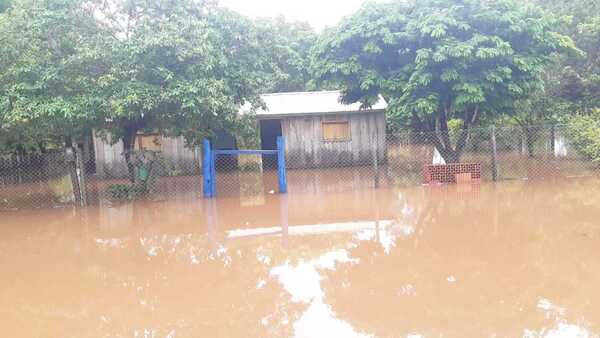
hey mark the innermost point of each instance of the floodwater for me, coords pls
(513, 259)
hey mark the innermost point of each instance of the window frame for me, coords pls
(140, 141)
(336, 120)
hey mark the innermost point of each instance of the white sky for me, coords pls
(318, 13)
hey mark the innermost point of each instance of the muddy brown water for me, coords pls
(513, 259)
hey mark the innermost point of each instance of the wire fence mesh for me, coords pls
(58, 179)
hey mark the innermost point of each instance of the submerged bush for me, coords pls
(584, 132)
(5, 203)
(127, 191)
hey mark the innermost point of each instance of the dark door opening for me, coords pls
(225, 141)
(269, 130)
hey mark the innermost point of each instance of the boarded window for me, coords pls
(336, 130)
(148, 142)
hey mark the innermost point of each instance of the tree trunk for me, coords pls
(530, 141)
(453, 157)
(128, 147)
(448, 153)
(441, 138)
(553, 140)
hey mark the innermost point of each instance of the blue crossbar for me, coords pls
(245, 152)
(209, 168)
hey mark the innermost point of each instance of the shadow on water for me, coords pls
(509, 259)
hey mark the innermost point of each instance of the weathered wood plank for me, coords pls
(179, 159)
(305, 146)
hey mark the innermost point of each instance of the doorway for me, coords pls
(269, 131)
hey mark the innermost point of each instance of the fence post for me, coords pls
(494, 155)
(72, 167)
(375, 166)
(19, 170)
(206, 169)
(213, 173)
(552, 140)
(82, 179)
(281, 174)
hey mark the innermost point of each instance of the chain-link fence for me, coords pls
(60, 178)
(525, 153)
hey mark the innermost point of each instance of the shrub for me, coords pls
(127, 191)
(584, 132)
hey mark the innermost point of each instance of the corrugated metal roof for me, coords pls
(306, 103)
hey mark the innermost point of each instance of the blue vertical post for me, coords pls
(206, 169)
(281, 174)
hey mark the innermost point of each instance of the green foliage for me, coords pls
(147, 165)
(178, 68)
(184, 68)
(584, 131)
(435, 60)
(123, 192)
(49, 68)
(247, 133)
(530, 114)
(287, 45)
(574, 83)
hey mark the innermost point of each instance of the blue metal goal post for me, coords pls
(209, 171)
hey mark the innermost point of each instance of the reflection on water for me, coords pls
(508, 260)
(303, 283)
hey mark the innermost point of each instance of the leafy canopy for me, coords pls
(435, 60)
(575, 81)
(48, 63)
(179, 68)
(287, 45)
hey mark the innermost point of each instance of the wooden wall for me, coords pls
(109, 158)
(305, 147)
(179, 160)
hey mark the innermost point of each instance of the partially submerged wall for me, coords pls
(178, 159)
(306, 148)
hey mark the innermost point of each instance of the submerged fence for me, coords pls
(60, 179)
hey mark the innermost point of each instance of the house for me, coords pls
(320, 131)
(176, 157)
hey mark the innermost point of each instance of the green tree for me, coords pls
(436, 60)
(48, 70)
(287, 45)
(178, 68)
(532, 116)
(584, 131)
(575, 81)
(578, 79)
(573, 91)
